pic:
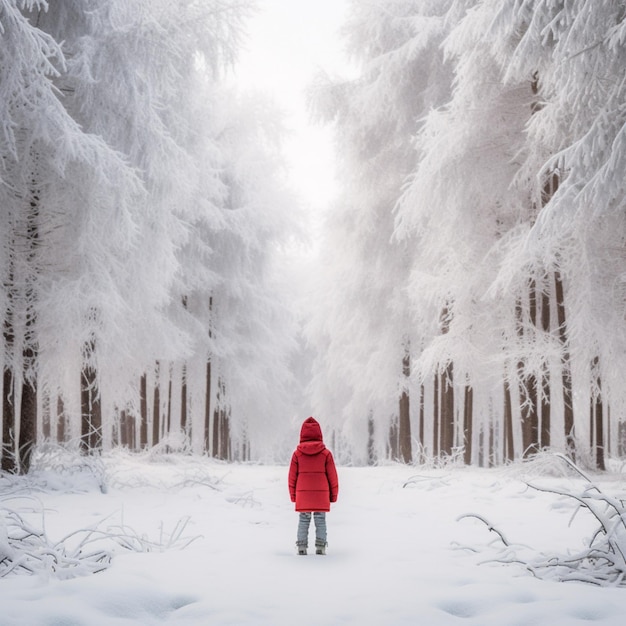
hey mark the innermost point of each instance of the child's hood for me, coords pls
(311, 441)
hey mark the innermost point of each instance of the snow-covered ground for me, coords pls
(397, 552)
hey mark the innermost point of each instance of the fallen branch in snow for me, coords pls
(490, 527)
(245, 500)
(603, 562)
(432, 481)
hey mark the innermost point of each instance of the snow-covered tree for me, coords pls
(509, 203)
(238, 374)
(461, 210)
(362, 320)
(48, 161)
(132, 71)
(146, 222)
(575, 159)
(252, 328)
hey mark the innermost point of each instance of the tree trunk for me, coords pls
(156, 409)
(91, 412)
(528, 381)
(143, 392)
(509, 449)
(532, 397)
(528, 393)
(596, 415)
(447, 411)
(215, 448)
(446, 391)
(28, 406)
(421, 418)
(118, 431)
(207, 409)
(394, 440)
(8, 421)
(225, 445)
(468, 425)
(566, 370)
(28, 426)
(46, 419)
(404, 421)
(550, 186)
(2, 420)
(491, 458)
(168, 414)
(184, 426)
(371, 451)
(126, 438)
(436, 415)
(245, 448)
(207, 405)
(60, 420)
(221, 426)
(544, 438)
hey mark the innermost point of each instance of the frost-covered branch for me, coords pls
(489, 526)
(27, 550)
(602, 562)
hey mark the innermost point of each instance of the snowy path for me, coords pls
(391, 555)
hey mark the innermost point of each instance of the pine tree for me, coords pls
(363, 323)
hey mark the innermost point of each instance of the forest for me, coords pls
(467, 300)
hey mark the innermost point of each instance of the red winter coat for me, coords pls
(313, 482)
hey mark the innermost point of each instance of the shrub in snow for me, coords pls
(28, 550)
(170, 471)
(602, 562)
(172, 442)
(62, 467)
(25, 549)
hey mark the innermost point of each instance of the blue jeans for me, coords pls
(320, 529)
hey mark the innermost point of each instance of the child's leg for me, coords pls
(320, 529)
(303, 530)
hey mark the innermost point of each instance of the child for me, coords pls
(313, 484)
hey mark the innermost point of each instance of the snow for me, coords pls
(398, 554)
